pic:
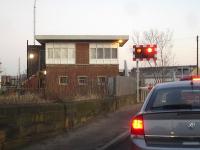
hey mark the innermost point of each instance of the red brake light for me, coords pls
(192, 78)
(137, 125)
(196, 79)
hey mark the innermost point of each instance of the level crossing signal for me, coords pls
(142, 52)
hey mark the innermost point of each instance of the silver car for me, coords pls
(169, 118)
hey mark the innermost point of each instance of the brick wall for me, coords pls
(82, 53)
(73, 71)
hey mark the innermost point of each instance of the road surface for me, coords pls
(124, 145)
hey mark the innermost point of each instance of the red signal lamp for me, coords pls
(138, 50)
(149, 50)
(144, 52)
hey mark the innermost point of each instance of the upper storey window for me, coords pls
(60, 53)
(103, 53)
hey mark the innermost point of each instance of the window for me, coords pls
(93, 53)
(64, 53)
(63, 80)
(114, 53)
(101, 80)
(50, 53)
(71, 53)
(82, 80)
(103, 53)
(175, 98)
(56, 53)
(60, 53)
(99, 53)
(107, 53)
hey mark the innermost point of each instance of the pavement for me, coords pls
(99, 134)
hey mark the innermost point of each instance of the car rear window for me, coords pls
(175, 98)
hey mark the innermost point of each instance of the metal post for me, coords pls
(19, 73)
(182, 72)
(27, 61)
(197, 55)
(39, 69)
(138, 80)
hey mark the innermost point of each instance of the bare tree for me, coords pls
(163, 40)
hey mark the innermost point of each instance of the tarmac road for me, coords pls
(126, 144)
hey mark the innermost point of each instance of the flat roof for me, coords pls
(47, 38)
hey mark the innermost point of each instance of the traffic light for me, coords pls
(138, 52)
(144, 52)
(149, 51)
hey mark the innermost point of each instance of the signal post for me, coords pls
(142, 53)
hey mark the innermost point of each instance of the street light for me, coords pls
(120, 41)
(31, 56)
(45, 72)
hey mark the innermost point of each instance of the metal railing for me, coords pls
(143, 92)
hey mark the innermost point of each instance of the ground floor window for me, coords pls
(63, 80)
(101, 80)
(82, 80)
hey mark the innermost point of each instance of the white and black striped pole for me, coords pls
(138, 80)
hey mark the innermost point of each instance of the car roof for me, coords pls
(177, 84)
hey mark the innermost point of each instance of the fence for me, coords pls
(120, 86)
(143, 92)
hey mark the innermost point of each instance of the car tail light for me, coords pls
(137, 125)
(196, 79)
(192, 78)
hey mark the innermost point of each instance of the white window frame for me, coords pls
(98, 81)
(71, 53)
(86, 83)
(103, 60)
(59, 79)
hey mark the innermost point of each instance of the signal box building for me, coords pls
(74, 64)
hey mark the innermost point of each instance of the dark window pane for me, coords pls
(99, 53)
(107, 52)
(63, 80)
(114, 53)
(82, 80)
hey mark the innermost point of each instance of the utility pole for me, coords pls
(27, 61)
(19, 70)
(0, 68)
(197, 55)
(0, 75)
(34, 21)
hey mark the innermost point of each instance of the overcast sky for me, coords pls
(97, 17)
